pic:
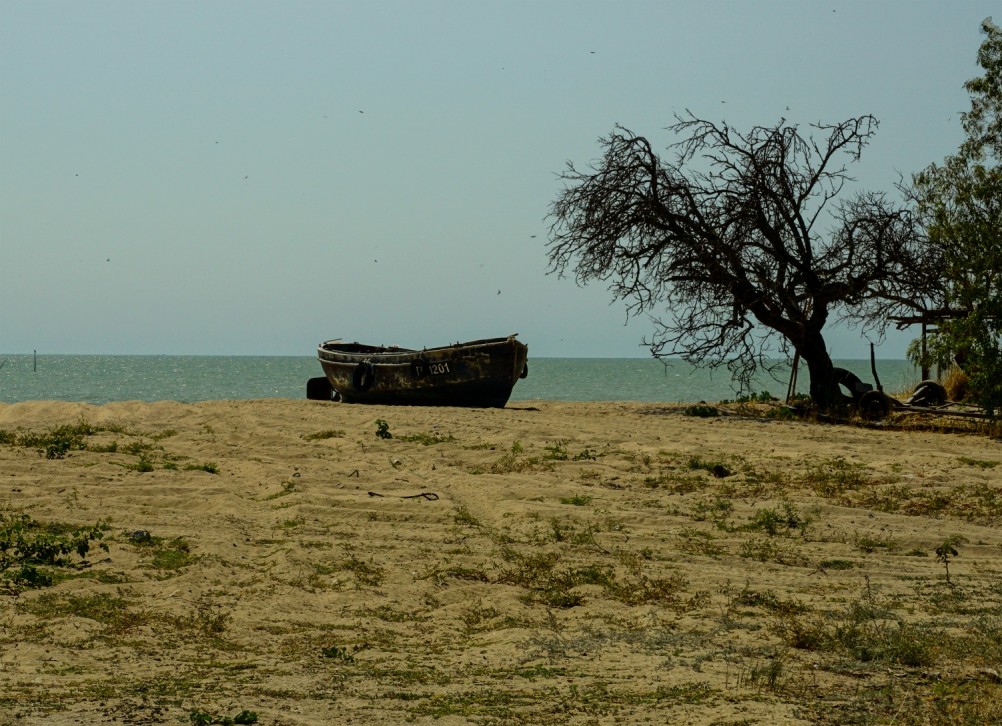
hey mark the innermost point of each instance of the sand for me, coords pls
(546, 563)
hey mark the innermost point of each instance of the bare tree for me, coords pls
(739, 239)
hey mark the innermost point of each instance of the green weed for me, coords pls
(206, 467)
(143, 465)
(697, 542)
(701, 411)
(463, 516)
(31, 552)
(834, 477)
(322, 435)
(780, 522)
(717, 468)
(980, 463)
(337, 653)
(198, 717)
(366, 574)
(426, 439)
(111, 611)
(160, 553)
(556, 451)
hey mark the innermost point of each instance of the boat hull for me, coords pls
(478, 374)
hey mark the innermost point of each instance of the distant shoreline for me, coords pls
(312, 357)
(101, 379)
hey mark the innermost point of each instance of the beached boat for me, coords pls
(479, 373)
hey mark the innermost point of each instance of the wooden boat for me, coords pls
(479, 373)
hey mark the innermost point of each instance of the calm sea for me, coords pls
(104, 378)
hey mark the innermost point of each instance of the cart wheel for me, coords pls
(852, 382)
(319, 389)
(928, 393)
(874, 405)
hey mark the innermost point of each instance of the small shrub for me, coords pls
(427, 439)
(956, 383)
(697, 542)
(717, 468)
(144, 465)
(334, 652)
(701, 411)
(774, 521)
(162, 554)
(718, 511)
(463, 516)
(367, 574)
(137, 448)
(557, 451)
(832, 478)
(199, 717)
(836, 564)
(765, 675)
(175, 555)
(947, 550)
(206, 467)
(30, 549)
(980, 463)
(111, 611)
(383, 429)
(328, 434)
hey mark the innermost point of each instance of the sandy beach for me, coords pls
(302, 562)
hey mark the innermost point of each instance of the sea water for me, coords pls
(103, 378)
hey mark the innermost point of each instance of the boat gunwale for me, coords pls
(408, 353)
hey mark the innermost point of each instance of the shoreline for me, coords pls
(100, 380)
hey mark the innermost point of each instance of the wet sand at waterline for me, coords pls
(546, 563)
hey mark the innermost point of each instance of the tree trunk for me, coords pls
(824, 390)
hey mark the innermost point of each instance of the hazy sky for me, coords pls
(240, 177)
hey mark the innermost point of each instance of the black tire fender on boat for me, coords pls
(319, 389)
(364, 376)
(874, 405)
(525, 371)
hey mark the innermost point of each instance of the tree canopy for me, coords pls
(960, 205)
(738, 245)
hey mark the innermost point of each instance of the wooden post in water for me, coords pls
(34, 361)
